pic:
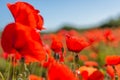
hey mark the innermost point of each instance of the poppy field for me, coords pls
(26, 54)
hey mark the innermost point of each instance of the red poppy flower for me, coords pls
(34, 77)
(94, 36)
(21, 36)
(70, 58)
(36, 36)
(73, 32)
(117, 69)
(91, 36)
(17, 38)
(49, 62)
(7, 38)
(97, 75)
(4, 55)
(83, 57)
(113, 60)
(84, 75)
(109, 35)
(31, 47)
(75, 44)
(26, 14)
(85, 71)
(56, 45)
(94, 55)
(90, 70)
(110, 71)
(91, 63)
(60, 72)
(61, 57)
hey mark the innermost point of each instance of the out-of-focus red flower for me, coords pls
(91, 63)
(83, 57)
(94, 35)
(109, 35)
(14, 57)
(17, 38)
(90, 70)
(93, 55)
(4, 55)
(61, 56)
(59, 71)
(49, 62)
(84, 75)
(73, 33)
(70, 58)
(62, 32)
(110, 71)
(97, 75)
(117, 69)
(75, 44)
(56, 45)
(90, 73)
(34, 77)
(112, 60)
(26, 14)
(91, 36)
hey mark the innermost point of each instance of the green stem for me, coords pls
(13, 71)
(2, 76)
(76, 59)
(9, 68)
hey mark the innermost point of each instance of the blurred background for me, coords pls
(92, 28)
(78, 14)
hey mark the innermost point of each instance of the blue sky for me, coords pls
(59, 12)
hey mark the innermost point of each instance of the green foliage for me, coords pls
(112, 23)
(69, 27)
